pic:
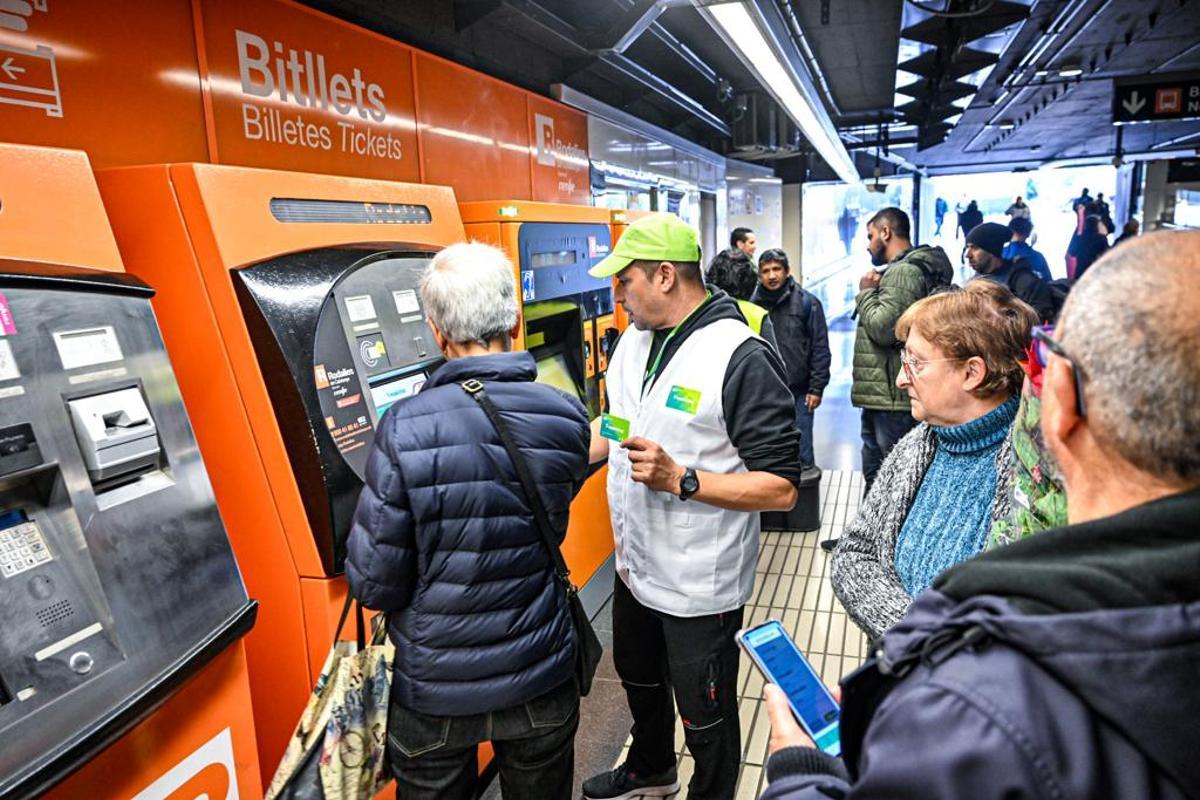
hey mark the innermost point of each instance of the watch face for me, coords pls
(690, 482)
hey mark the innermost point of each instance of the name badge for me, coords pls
(684, 399)
(613, 427)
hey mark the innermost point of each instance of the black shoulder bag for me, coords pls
(588, 649)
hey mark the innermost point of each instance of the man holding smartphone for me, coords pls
(1063, 665)
(700, 436)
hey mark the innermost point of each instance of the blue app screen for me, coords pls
(788, 670)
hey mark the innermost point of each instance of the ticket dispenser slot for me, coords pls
(110, 597)
(346, 340)
(116, 434)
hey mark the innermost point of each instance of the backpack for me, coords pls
(1058, 288)
(934, 281)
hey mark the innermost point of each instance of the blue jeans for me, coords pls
(880, 432)
(804, 424)
(434, 758)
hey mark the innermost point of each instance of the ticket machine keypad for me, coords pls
(22, 548)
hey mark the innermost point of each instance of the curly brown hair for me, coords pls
(983, 319)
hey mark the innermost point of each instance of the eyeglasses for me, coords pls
(914, 366)
(1043, 346)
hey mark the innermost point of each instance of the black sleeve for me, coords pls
(760, 412)
(1034, 291)
(819, 357)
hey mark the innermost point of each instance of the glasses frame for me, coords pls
(1041, 336)
(910, 371)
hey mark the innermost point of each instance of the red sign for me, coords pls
(559, 155)
(291, 88)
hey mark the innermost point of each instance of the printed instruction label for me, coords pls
(360, 308)
(684, 399)
(87, 347)
(406, 301)
(8, 364)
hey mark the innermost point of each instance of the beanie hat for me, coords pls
(990, 236)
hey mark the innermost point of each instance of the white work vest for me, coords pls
(683, 558)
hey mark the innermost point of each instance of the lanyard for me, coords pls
(652, 370)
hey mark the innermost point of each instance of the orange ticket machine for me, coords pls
(289, 306)
(569, 328)
(122, 669)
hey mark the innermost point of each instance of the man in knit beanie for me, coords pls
(985, 253)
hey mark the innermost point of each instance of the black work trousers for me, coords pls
(696, 659)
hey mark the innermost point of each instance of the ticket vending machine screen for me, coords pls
(553, 370)
(345, 341)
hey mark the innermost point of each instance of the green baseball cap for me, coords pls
(658, 237)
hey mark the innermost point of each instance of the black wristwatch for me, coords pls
(689, 484)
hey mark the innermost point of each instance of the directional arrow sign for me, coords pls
(11, 69)
(1157, 98)
(1134, 103)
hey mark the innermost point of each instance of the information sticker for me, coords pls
(406, 302)
(8, 365)
(360, 308)
(683, 399)
(88, 347)
(613, 427)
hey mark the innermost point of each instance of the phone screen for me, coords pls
(777, 655)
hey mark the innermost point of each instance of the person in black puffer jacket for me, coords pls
(444, 541)
(799, 322)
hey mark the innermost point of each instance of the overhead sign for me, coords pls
(292, 90)
(1156, 99)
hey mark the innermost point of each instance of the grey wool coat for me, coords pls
(864, 565)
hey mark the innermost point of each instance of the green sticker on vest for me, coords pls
(613, 427)
(684, 399)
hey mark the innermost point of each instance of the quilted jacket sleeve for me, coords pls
(879, 309)
(932, 742)
(381, 553)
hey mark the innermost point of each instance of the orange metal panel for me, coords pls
(200, 743)
(118, 80)
(473, 131)
(50, 209)
(184, 227)
(528, 211)
(154, 239)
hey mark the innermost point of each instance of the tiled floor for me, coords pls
(792, 586)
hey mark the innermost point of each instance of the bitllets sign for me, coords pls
(1156, 99)
(292, 90)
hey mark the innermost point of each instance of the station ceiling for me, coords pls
(945, 85)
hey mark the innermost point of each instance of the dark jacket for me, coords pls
(1064, 665)
(908, 277)
(803, 337)
(443, 538)
(1022, 281)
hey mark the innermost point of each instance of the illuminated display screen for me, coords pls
(348, 212)
(385, 395)
(558, 258)
(553, 371)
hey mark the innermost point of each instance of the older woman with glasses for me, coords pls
(945, 483)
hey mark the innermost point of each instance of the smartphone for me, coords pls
(774, 652)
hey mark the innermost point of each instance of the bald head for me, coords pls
(1132, 324)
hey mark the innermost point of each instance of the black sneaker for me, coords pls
(622, 784)
(829, 545)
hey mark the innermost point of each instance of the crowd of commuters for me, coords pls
(1027, 542)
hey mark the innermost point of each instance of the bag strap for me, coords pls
(541, 519)
(360, 625)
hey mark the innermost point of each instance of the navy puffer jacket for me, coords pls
(444, 539)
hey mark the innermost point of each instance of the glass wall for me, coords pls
(834, 239)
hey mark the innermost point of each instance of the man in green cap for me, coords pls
(700, 436)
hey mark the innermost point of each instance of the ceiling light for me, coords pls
(1070, 72)
(739, 25)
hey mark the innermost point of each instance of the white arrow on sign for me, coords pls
(1134, 104)
(10, 70)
